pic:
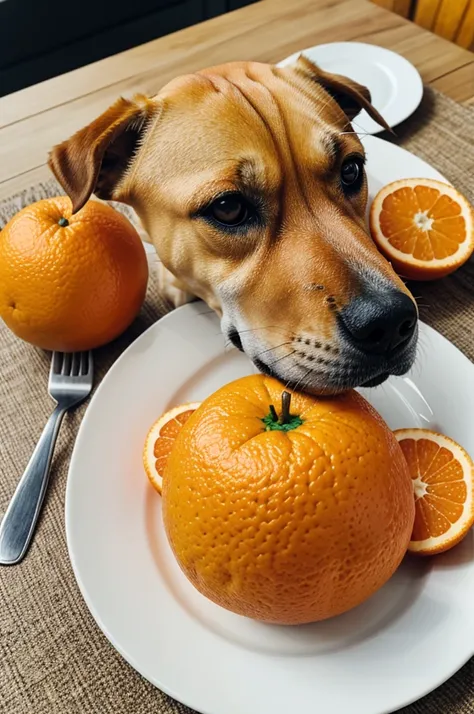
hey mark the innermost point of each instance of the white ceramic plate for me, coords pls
(407, 639)
(395, 85)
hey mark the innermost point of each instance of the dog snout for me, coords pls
(379, 324)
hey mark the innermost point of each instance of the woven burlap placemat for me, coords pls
(53, 658)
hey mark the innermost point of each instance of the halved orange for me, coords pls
(160, 440)
(443, 483)
(425, 228)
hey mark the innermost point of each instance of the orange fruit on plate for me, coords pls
(443, 481)
(160, 440)
(70, 282)
(286, 523)
(425, 228)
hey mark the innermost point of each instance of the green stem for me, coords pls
(286, 421)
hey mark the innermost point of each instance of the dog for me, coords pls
(250, 182)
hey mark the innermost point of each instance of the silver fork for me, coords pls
(70, 382)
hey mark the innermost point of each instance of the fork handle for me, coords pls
(18, 524)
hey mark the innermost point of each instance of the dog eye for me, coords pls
(351, 172)
(231, 210)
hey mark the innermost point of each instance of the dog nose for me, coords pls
(379, 323)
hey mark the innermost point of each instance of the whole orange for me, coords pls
(287, 526)
(70, 282)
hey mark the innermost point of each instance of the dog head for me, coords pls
(250, 181)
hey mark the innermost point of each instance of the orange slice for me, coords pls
(443, 482)
(160, 441)
(425, 228)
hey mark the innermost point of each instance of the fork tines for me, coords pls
(71, 364)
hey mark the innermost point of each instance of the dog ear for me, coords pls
(351, 96)
(96, 157)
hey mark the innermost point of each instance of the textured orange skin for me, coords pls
(75, 287)
(287, 527)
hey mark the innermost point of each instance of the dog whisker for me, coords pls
(272, 349)
(268, 327)
(295, 388)
(305, 383)
(289, 354)
(420, 304)
(354, 123)
(422, 350)
(256, 329)
(357, 133)
(327, 103)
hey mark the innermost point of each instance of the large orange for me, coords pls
(287, 526)
(70, 282)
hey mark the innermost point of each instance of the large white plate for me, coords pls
(407, 639)
(395, 85)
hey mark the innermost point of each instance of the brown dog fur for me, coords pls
(278, 136)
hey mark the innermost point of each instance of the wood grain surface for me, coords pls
(34, 119)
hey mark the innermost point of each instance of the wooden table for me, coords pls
(34, 119)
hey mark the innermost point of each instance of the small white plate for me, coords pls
(394, 83)
(404, 641)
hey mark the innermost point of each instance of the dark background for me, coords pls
(40, 39)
